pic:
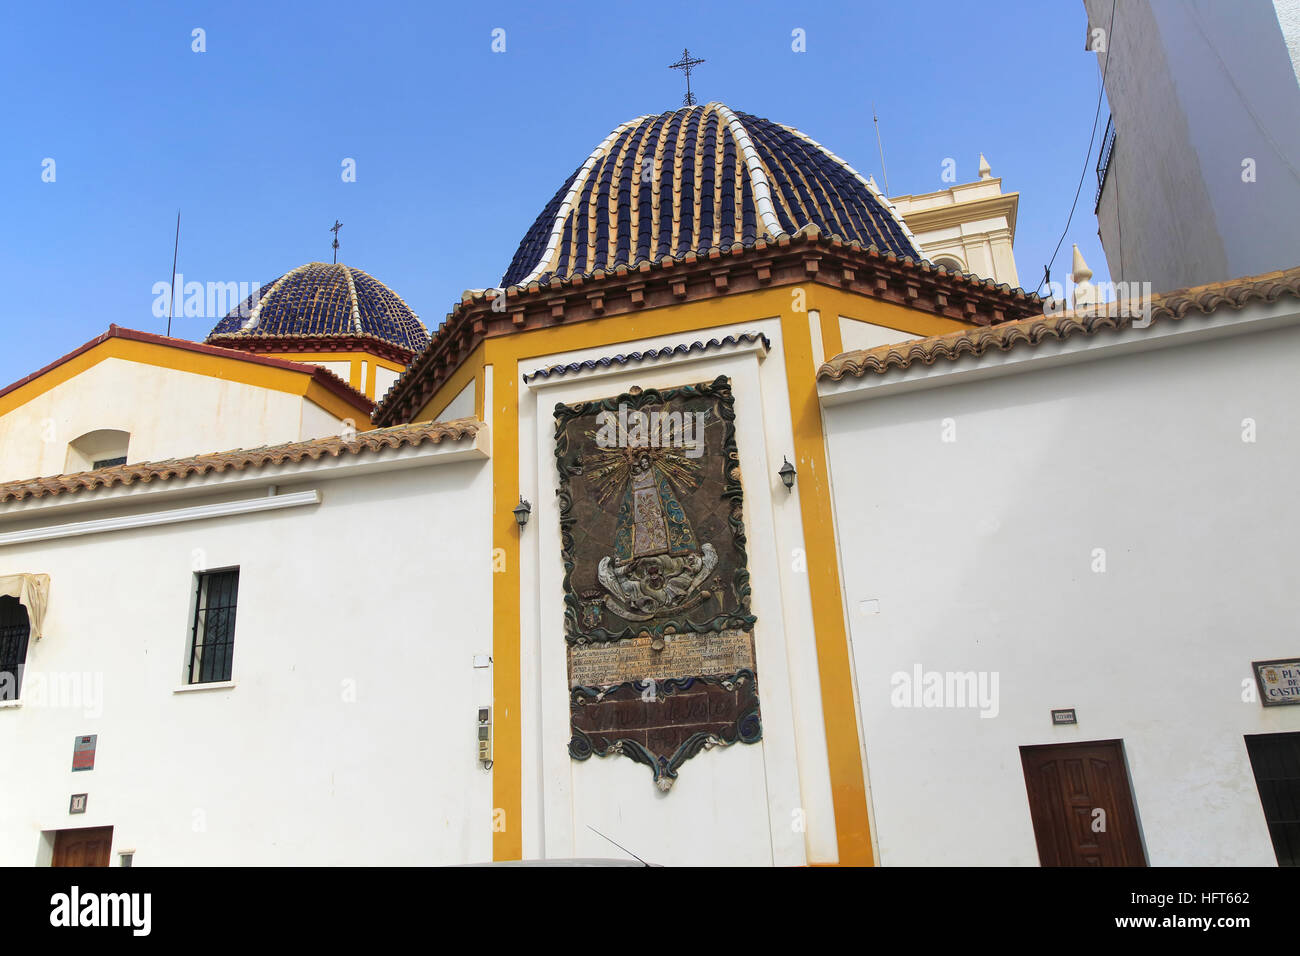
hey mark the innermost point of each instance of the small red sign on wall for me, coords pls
(83, 753)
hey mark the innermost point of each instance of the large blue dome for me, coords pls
(694, 179)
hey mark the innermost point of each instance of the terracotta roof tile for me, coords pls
(399, 436)
(1205, 299)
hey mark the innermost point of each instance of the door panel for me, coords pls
(87, 847)
(1068, 784)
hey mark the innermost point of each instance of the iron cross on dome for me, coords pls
(686, 64)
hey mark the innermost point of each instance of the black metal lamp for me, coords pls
(522, 511)
(787, 474)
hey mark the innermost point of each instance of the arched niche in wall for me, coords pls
(98, 449)
(951, 263)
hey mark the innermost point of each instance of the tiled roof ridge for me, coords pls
(576, 185)
(683, 348)
(395, 437)
(463, 326)
(352, 296)
(324, 375)
(1205, 299)
(255, 314)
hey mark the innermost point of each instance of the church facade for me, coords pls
(727, 529)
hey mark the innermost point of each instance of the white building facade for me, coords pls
(1198, 178)
(924, 573)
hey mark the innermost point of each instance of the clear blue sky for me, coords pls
(458, 148)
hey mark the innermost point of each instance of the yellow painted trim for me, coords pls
(196, 363)
(362, 368)
(53, 379)
(320, 358)
(471, 368)
(839, 714)
(479, 385)
(176, 359)
(832, 337)
(885, 314)
(507, 675)
(318, 394)
(848, 785)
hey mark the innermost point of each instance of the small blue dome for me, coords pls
(321, 299)
(699, 178)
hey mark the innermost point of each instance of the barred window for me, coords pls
(14, 630)
(1275, 758)
(212, 644)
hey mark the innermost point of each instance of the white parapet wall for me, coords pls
(1113, 535)
(347, 732)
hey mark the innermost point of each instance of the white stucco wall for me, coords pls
(169, 414)
(462, 406)
(978, 554)
(865, 335)
(384, 379)
(384, 584)
(1288, 20)
(342, 369)
(318, 423)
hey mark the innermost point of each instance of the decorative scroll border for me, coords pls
(719, 388)
(748, 728)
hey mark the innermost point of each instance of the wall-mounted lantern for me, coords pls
(522, 511)
(787, 474)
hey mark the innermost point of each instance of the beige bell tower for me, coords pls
(969, 226)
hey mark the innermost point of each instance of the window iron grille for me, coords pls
(1275, 759)
(213, 635)
(14, 631)
(1103, 159)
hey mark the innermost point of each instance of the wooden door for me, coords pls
(1082, 805)
(87, 847)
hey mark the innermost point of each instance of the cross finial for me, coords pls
(686, 64)
(335, 229)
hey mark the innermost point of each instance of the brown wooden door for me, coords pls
(1068, 785)
(88, 847)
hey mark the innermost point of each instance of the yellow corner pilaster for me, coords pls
(507, 751)
(839, 713)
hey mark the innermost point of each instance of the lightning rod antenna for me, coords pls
(880, 146)
(172, 287)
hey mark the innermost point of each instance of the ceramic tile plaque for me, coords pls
(83, 752)
(1278, 682)
(656, 589)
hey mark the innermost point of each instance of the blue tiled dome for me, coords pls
(697, 178)
(320, 299)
